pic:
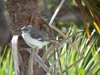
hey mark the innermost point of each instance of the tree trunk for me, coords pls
(22, 13)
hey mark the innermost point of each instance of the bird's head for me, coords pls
(26, 29)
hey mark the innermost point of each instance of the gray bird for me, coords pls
(34, 38)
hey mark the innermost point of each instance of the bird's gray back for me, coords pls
(35, 33)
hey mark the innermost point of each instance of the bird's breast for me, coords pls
(31, 41)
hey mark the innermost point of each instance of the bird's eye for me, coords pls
(25, 29)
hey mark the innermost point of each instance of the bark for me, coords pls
(5, 34)
(25, 12)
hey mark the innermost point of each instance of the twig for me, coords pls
(55, 60)
(59, 31)
(56, 12)
(45, 55)
(51, 49)
(58, 46)
(38, 59)
(58, 54)
(53, 17)
(54, 63)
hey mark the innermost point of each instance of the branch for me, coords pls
(56, 12)
(14, 43)
(53, 17)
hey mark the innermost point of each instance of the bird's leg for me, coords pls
(36, 50)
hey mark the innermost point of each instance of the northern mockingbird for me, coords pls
(34, 38)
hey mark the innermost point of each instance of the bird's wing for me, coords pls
(39, 35)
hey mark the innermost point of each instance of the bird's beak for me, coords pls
(22, 28)
(19, 29)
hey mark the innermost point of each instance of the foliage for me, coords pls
(81, 57)
(91, 13)
(6, 63)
